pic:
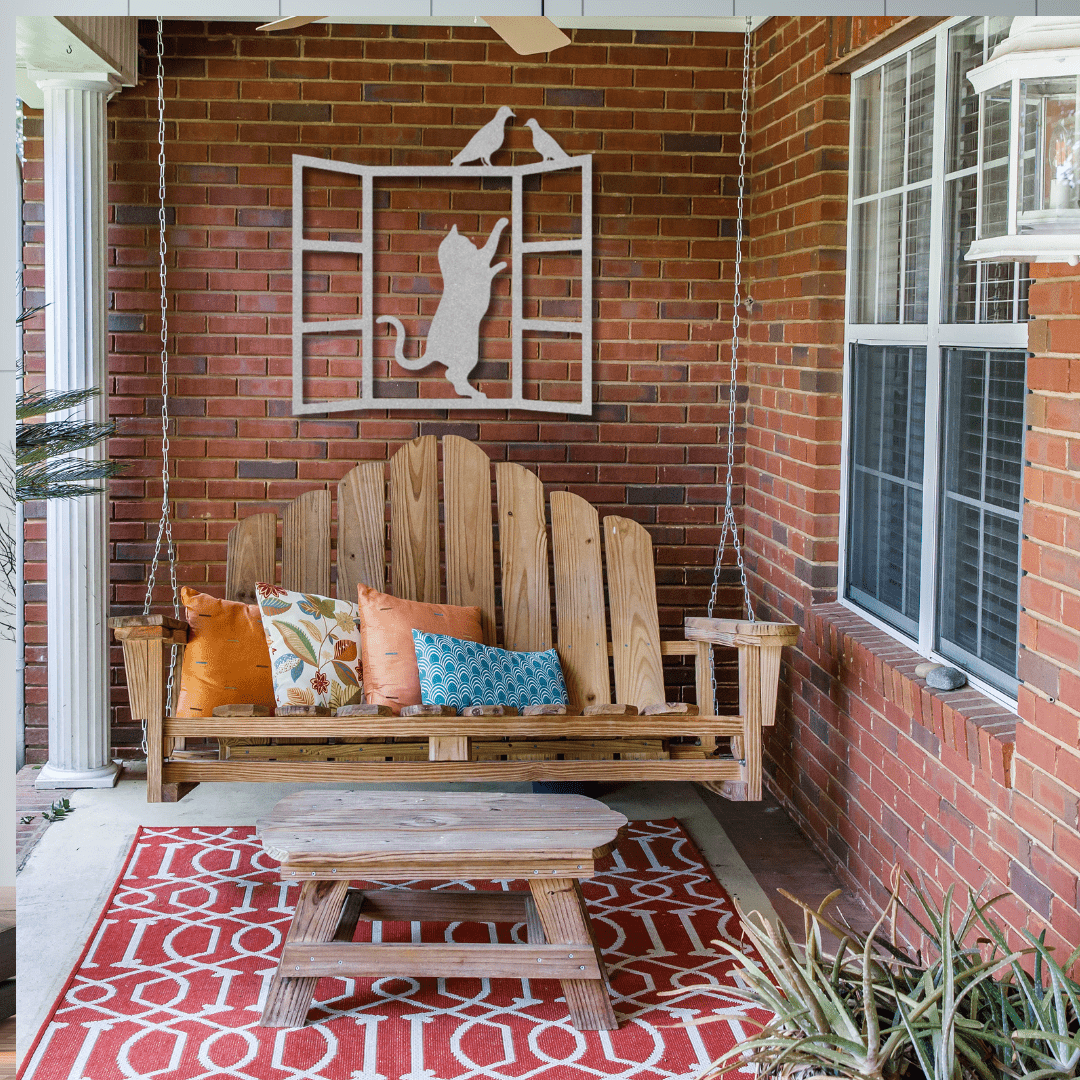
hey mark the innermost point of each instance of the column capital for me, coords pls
(104, 82)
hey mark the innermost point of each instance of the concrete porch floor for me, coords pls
(67, 876)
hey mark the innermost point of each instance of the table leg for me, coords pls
(317, 915)
(565, 920)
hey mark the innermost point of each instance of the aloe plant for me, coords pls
(968, 1011)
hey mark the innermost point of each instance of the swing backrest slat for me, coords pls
(305, 544)
(250, 556)
(470, 567)
(414, 521)
(523, 559)
(635, 622)
(579, 600)
(361, 537)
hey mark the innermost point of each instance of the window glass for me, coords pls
(893, 161)
(977, 183)
(982, 466)
(885, 504)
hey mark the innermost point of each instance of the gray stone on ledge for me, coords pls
(946, 678)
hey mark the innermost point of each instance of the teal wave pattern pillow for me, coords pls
(460, 673)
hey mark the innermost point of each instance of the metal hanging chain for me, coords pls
(729, 511)
(164, 533)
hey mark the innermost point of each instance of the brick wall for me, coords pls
(1047, 776)
(877, 769)
(659, 111)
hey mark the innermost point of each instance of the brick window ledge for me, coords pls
(967, 723)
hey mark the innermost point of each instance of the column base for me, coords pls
(52, 777)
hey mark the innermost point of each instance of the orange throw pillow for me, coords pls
(391, 676)
(227, 661)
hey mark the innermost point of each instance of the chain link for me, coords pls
(729, 511)
(164, 532)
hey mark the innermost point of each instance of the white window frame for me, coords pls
(936, 337)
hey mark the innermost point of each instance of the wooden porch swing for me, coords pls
(633, 734)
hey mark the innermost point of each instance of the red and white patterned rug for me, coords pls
(171, 982)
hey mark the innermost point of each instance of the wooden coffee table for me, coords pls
(326, 839)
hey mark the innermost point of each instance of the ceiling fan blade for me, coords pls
(290, 22)
(527, 34)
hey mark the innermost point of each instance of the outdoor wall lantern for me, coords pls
(1033, 78)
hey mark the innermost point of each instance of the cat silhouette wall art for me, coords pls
(453, 339)
(330, 377)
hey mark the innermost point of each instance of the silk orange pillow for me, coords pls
(227, 661)
(391, 675)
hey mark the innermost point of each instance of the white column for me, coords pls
(75, 345)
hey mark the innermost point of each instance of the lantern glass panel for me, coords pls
(1049, 177)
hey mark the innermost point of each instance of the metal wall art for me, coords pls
(468, 275)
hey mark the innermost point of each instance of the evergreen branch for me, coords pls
(64, 479)
(29, 313)
(38, 442)
(39, 402)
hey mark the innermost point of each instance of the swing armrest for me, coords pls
(150, 627)
(736, 632)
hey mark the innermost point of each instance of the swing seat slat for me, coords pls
(633, 734)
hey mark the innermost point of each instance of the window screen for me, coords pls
(982, 466)
(885, 501)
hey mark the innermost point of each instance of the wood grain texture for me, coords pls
(565, 919)
(448, 748)
(703, 676)
(491, 727)
(166, 622)
(770, 681)
(750, 690)
(437, 959)
(635, 623)
(144, 664)
(241, 710)
(470, 566)
(424, 772)
(414, 521)
(318, 913)
(734, 632)
(305, 544)
(350, 915)
(523, 559)
(442, 905)
(579, 600)
(250, 557)
(376, 750)
(361, 536)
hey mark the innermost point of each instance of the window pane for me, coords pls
(982, 460)
(920, 156)
(960, 278)
(885, 502)
(868, 132)
(864, 261)
(888, 271)
(917, 256)
(894, 109)
(965, 52)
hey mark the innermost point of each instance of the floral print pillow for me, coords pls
(314, 644)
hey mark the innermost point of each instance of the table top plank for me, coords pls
(394, 830)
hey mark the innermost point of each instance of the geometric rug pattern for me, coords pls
(171, 983)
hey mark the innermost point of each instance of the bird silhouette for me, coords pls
(545, 145)
(486, 141)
